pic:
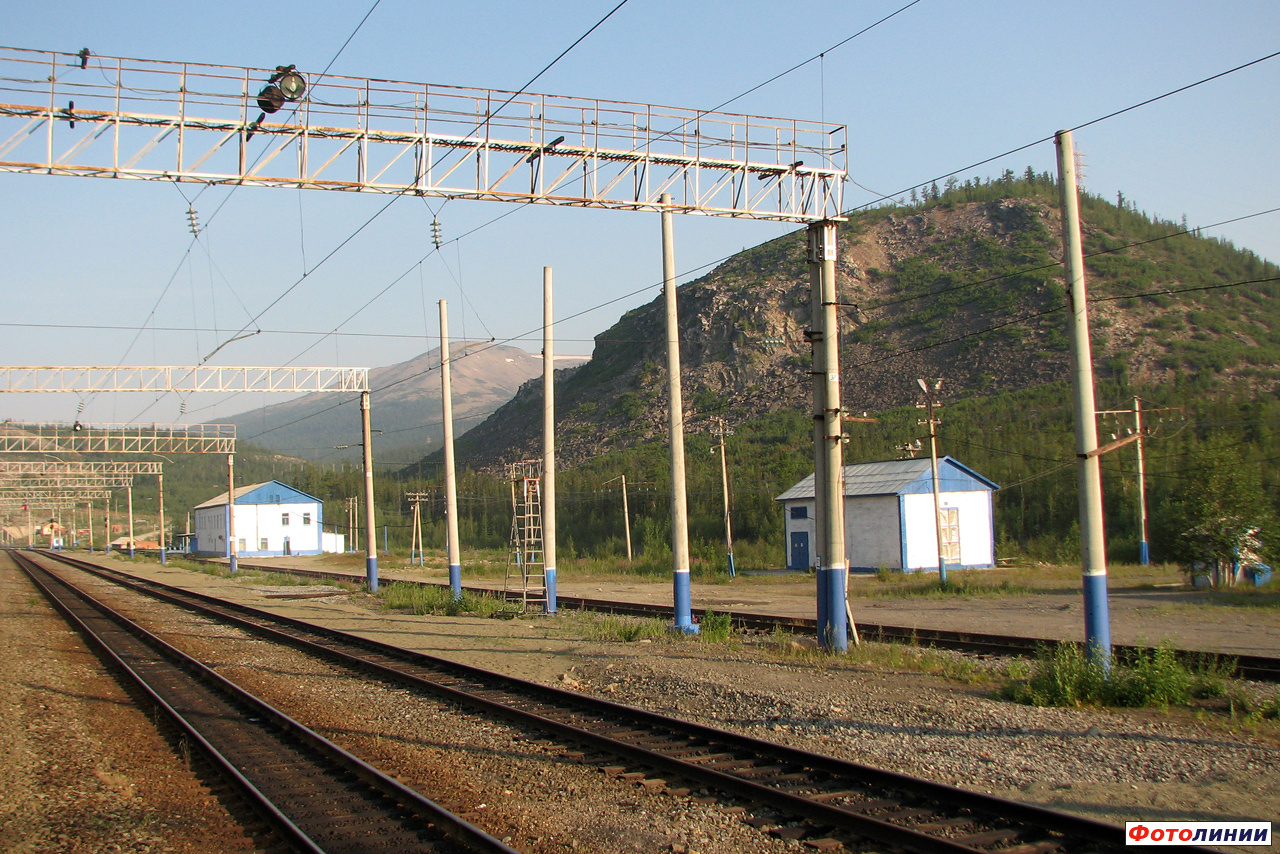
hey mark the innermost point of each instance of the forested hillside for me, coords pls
(964, 284)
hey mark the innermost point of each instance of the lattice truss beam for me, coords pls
(111, 117)
(89, 379)
(64, 498)
(101, 481)
(118, 439)
(49, 468)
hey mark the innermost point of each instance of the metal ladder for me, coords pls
(526, 570)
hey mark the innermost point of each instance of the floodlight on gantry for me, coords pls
(168, 121)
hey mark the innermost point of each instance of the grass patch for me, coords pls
(612, 627)
(421, 599)
(715, 628)
(1019, 580)
(883, 656)
(1064, 676)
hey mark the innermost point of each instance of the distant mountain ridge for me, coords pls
(405, 406)
(967, 285)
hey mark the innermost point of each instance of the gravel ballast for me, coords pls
(108, 759)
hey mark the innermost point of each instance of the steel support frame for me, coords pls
(50, 468)
(189, 379)
(105, 481)
(118, 439)
(164, 121)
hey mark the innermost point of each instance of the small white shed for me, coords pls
(888, 517)
(272, 519)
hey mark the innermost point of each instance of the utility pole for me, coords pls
(1137, 436)
(834, 580)
(818, 395)
(160, 489)
(88, 521)
(724, 430)
(931, 387)
(128, 491)
(1093, 553)
(353, 525)
(231, 512)
(1144, 550)
(371, 556)
(548, 444)
(683, 606)
(626, 515)
(450, 477)
(417, 499)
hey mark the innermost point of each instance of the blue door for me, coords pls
(799, 552)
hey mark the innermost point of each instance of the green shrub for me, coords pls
(1065, 676)
(715, 628)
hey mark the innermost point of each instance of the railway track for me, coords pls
(794, 794)
(1255, 667)
(317, 796)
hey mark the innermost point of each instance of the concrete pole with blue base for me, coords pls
(818, 377)
(1144, 552)
(371, 555)
(824, 245)
(231, 512)
(1097, 622)
(160, 489)
(548, 443)
(450, 476)
(675, 423)
(129, 497)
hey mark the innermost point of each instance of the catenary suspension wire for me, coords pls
(1049, 138)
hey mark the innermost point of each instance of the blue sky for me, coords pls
(942, 85)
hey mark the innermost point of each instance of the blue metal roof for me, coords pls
(267, 492)
(899, 477)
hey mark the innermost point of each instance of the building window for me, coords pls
(800, 512)
(284, 519)
(306, 518)
(262, 544)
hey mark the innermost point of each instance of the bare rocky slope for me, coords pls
(972, 290)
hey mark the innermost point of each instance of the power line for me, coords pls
(1049, 138)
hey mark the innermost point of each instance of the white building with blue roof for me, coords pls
(272, 519)
(888, 517)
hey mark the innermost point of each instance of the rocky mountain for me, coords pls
(405, 406)
(966, 285)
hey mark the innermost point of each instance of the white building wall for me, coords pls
(258, 522)
(871, 533)
(210, 525)
(807, 525)
(254, 522)
(976, 545)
